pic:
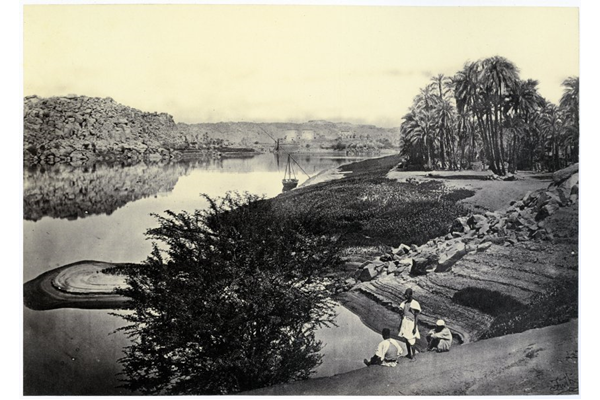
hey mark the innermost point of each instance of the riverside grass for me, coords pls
(367, 209)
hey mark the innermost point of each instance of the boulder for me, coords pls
(546, 197)
(424, 262)
(526, 222)
(470, 247)
(575, 189)
(563, 194)
(547, 210)
(450, 257)
(405, 263)
(460, 225)
(487, 245)
(402, 249)
(574, 198)
(348, 283)
(368, 273)
(527, 199)
(540, 235)
(569, 182)
(491, 215)
(484, 228)
(475, 221)
(386, 257)
(565, 173)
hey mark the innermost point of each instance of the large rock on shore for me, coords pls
(561, 175)
(450, 257)
(367, 273)
(424, 262)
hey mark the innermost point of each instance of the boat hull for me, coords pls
(289, 184)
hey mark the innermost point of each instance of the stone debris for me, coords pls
(522, 221)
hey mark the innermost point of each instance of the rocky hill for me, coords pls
(80, 128)
(74, 128)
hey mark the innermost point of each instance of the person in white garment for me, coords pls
(388, 351)
(409, 319)
(439, 339)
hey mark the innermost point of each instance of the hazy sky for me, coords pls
(203, 63)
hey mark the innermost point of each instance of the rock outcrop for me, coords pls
(496, 251)
(77, 128)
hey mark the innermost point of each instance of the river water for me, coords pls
(100, 212)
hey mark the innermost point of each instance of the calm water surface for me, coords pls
(100, 212)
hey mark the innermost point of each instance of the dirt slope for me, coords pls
(537, 362)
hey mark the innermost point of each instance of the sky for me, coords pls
(284, 63)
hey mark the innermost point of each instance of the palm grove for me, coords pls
(486, 113)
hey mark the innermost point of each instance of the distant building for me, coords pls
(291, 135)
(308, 134)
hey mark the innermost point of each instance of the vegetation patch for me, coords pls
(367, 209)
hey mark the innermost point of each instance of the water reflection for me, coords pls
(71, 192)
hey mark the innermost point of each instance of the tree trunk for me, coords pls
(442, 149)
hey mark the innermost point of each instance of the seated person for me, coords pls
(388, 351)
(440, 338)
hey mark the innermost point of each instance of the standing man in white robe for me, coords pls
(409, 319)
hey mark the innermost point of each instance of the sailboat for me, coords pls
(289, 177)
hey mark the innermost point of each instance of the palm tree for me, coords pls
(523, 102)
(497, 77)
(552, 126)
(465, 87)
(424, 109)
(444, 112)
(569, 104)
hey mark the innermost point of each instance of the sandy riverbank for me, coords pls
(537, 362)
(490, 195)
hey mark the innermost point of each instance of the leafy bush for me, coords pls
(488, 301)
(557, 305)
(231, 304)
